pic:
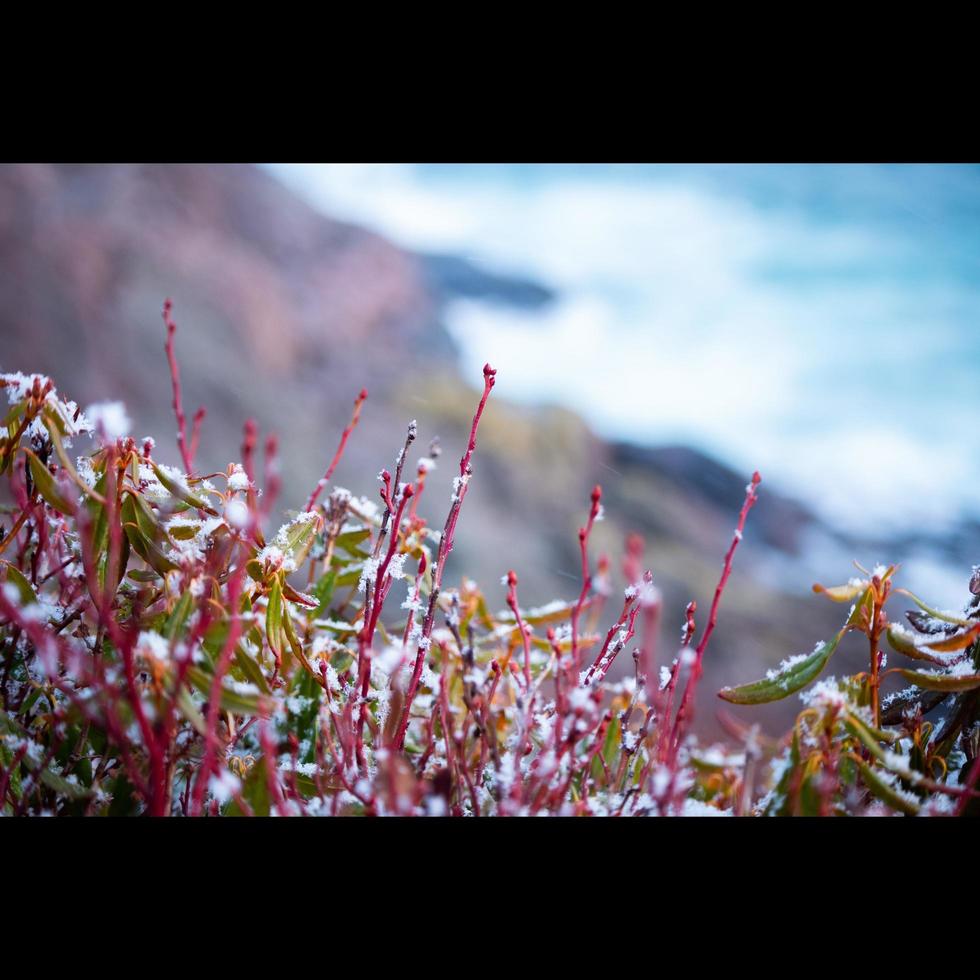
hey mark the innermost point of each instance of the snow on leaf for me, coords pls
(796, 674)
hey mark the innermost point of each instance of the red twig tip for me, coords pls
(186, 451)
(445, 547)
(249, 439)
(583, 541)
(684, 711)
(345, 435)
(515, 608)
(196, 431)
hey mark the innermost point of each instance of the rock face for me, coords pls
(284, 314)
(264, 288)
(456, 276)
(708, 485)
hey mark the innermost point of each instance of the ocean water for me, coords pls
(820, 323)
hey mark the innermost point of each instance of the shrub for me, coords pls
(163, 654)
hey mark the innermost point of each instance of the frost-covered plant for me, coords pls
(849, 746)
(162, 653)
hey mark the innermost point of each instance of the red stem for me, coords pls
(318, 489)
(684, 711)
(583, 541)
(366, 636)
(186, 453)
(445, 547)
(612, 631)
(512, 602)
(214, 695)
(971, 780)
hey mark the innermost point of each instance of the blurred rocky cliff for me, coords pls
(284, 314)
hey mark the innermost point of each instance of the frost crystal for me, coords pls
(695, 808)
(388, 660)
(368, 573)
(825, 694)
(84, 467)
(224, 785)
(236, 513)
(153, 645)
(788, 664)
(238, 479)
(110, 419)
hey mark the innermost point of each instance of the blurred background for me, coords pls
(661, 330)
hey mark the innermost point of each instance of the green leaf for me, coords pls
(147, 522)
(73, 791)
(179, 616)
(189, 710)
(869, 737)
(293, 640)
(349, 578)
(300, 598)
(299, 536)
(881, 790)
(350, 539)
(786, 682)
(238, 704)
(866, 604)
(306, 785)
(338, 626)
(17, 579)
(899, 640)
(611, 747)
(839, 593)
(147, 550)
(251, 670)
(64, 788)
(935, 613)
(15, 413)
(273, 618)
(181, 492)
(46, 485)
(214, 639)
(53, 424)
(941, 682)
(255, 792)
(958, 642)
(121, 568)
(97, 511)
(810, 797)
(779, 804)
(323, 590)
(125, 802)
